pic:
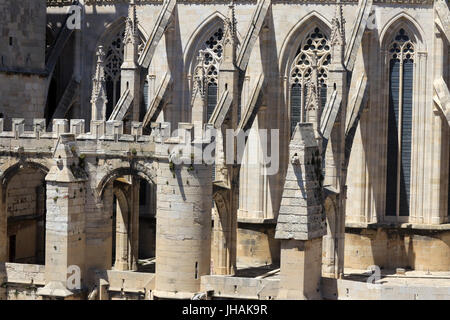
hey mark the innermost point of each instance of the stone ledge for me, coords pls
(386, 225)
(173, 295)
(256, 220)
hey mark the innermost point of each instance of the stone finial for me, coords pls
(338, 26)
(99, 98)
(337, 40)
(229, 39)
(131, 34)
(131, 39)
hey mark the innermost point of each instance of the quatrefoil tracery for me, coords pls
(402, 48)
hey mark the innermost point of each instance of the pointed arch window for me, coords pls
(401, 67)
(315, 43)
(212, 57)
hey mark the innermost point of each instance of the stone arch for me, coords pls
(407, 22)
(200, 36)
(134, 169)
(29, 232)
(9, 172)
(113, 27)
(288, 54)
(296, 35)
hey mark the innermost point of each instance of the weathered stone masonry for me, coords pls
(79, 198)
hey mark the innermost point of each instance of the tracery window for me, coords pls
(113, 63)
(401, 67)
(213, 58)
(207, 70)
(316, 43)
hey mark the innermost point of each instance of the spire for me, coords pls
(338, 35)
(229, 38)
(338, 25)
(99, 98)
(131, 24)
(131, 39)
(230, 22)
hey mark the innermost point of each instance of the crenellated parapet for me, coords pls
(108, 138)
(186, 143)
(104, 137)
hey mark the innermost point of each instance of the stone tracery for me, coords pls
(315, 46)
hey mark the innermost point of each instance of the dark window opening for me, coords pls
(12, 248)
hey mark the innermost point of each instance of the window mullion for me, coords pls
(399, 137)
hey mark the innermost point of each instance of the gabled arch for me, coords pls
(409, 24)
(112, 27)
(199, 37)
(297, 33)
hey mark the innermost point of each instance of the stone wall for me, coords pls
(25, 207)
(419, 288)
(22, 35)
(21, 96)
(390, 248)
(240, 288)
(22, 281)
(22, 59)
(256, 245)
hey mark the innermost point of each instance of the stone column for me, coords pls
(223, 251)
(121, 230)
(301, 221)
(183, 220)
(438, 167)
(134, 223)
(65, 220)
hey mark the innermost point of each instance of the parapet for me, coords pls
(100, 130)
(187, 139)
(108, 136)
